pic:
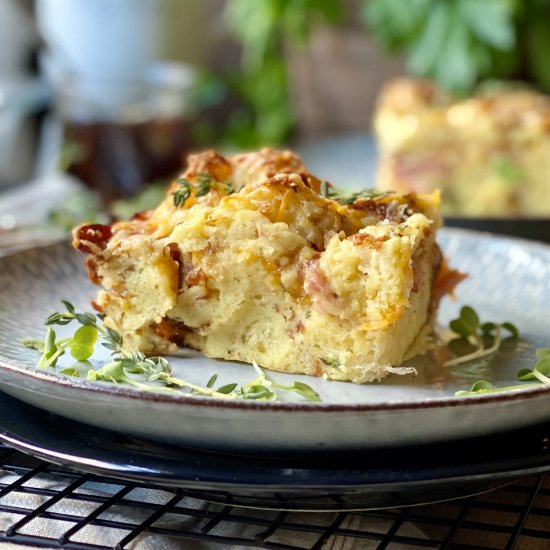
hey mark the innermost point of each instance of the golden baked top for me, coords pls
(278, 185)
(505, 107)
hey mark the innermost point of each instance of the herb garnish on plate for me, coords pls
(127, 366)
(468, 326)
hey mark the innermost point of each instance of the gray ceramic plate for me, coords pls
(509, 280)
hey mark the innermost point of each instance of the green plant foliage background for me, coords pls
(457, 43)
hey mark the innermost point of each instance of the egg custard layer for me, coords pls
(247, 258)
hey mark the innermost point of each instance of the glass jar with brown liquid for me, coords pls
(119, 138)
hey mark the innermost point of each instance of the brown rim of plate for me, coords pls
(200, 401)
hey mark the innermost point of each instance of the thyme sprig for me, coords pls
(469, 327)
(346, 197)
(127, 366)
(205, 183)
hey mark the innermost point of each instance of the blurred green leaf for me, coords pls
(395, 22)
(491, 21)
(458, 43)
(455, 65)
(263, 29)
(543, 353)
(537, 40)
(426, 50)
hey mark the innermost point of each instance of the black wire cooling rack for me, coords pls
(43, 505)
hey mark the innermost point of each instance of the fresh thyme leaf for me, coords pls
(212, 381)
(163, 364)
(112, 339)
(259, 392)
(69, 306)
(127, 365)
(114, 336)
(109, 346)
(305, 391)
(347, 197)
(205, 183)
(59, 319)
(228, 388)
(183, 193)
(67, 317)
(87, 319)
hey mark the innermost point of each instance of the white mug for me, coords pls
(109, 41)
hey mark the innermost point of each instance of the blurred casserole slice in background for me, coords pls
(489, 153)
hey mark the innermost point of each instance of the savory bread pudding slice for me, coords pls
(249, 258)
(489, 153)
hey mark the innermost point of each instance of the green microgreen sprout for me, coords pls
(476, 335)
(126, 366)
(205, 183)
(82, 344)
(469, 327)
(346, 197)
(541, 370)
(524, 375)
(482, 386)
